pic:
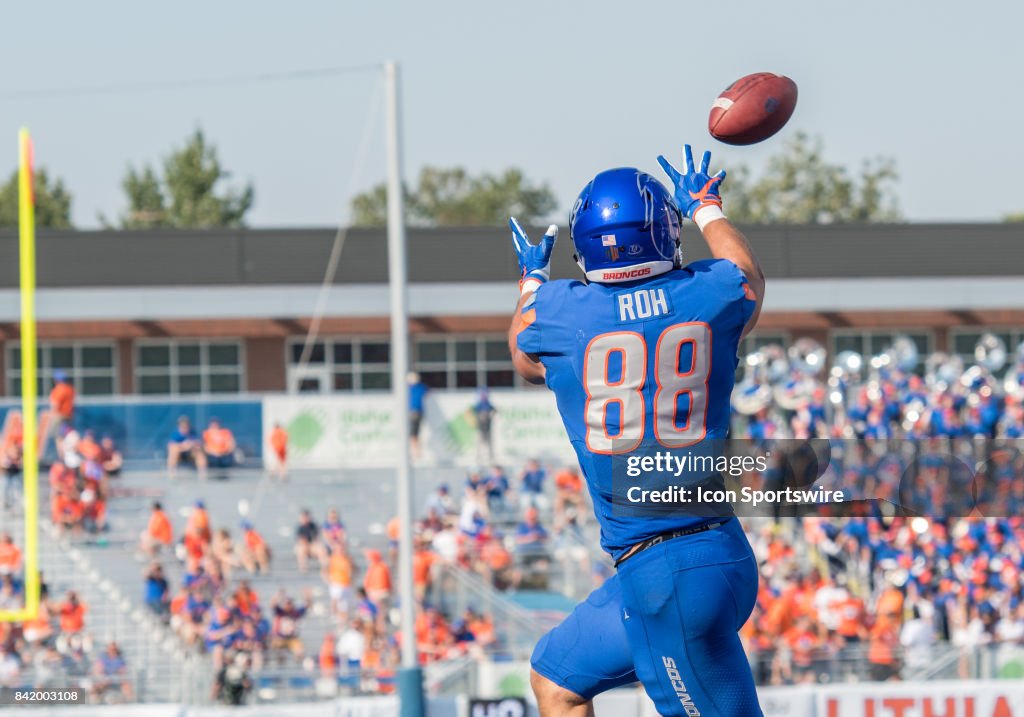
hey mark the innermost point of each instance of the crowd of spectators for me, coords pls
(54, 649)
(214, 448)
(932, 562)
(879, 596)
(883, 598)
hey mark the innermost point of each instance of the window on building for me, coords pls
(963, 342)
(872, 343)
(456, 361)
(91, 366)
(354, 364)
(181, 367)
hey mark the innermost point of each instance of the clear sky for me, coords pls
(561, 89)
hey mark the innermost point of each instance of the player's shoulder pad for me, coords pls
(544, 315)
(724, 279)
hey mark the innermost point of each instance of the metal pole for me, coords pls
(410, 677)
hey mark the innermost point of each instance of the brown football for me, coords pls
(752, 108)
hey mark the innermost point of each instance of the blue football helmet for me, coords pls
(625, 226)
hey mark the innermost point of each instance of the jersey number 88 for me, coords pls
(628, 391)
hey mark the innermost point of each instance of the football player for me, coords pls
(645, 350)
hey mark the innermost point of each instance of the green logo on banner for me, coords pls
(305, 430)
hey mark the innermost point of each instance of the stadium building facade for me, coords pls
(183, 313)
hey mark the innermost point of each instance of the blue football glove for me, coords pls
(696, 191)
(534, 259)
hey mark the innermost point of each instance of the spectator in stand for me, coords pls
(482, 627)
(417, 399)
(803, 643)
(441, 502)
(531, 537)
(483, 412)
(351, 646)
(222, 550)
(852, 629)
(328, 659)
(531, 493)
(50, 668)
(10, 555)
(377, 580)
(394, 532)
(338, 575)
(253, 552)
(156, 592)
(1010, 629)
(88, 447)
(219, 630)
(10, 667)
(307, 543)
(69, 439)
(198, 523)
(185, 443)
(279, 449)
(332, 532)
(884, 642)
(110, 457)
(233, 682)
(10, 595)
(496, 562)
(12, 447)
(917, 637)
(39, 629)
(433, 636)
(424, 561)
(110, 674)
(285, 629)
(248, 639)
(219, 445)
(72, 614)
(247, 602)
(472, 521)
(496, 486)
(62, 408)
(569, 495)
(67, 510)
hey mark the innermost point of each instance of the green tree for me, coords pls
(187, 195)
(799, 186)
(53, 201)
(451, 196)
(1017, 217)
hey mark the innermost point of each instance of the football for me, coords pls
(752, 108)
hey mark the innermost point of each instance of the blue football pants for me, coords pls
(669, 618)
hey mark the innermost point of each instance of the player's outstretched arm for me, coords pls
(728, 242)
(535, 269)
(697, 194)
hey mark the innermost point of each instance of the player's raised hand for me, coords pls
(694, 188)
(534, 259)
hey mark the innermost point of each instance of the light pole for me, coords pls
(410, 677)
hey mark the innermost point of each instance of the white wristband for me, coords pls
(528, 286)
(707, 214)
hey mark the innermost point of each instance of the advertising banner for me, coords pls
(964, 698)
(359, 430)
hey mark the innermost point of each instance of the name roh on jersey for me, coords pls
(642, 304)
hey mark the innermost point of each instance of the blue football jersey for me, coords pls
(639, 364)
